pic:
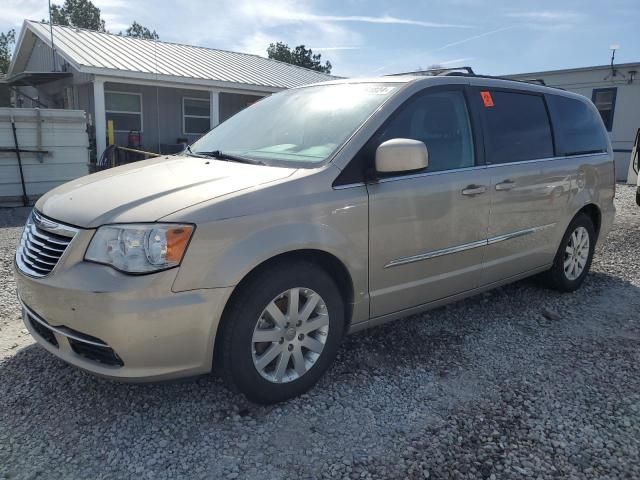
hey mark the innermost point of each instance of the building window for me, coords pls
(605, 101)
(196, 116)
(125, 109)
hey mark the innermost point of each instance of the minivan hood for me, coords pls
(149, 190)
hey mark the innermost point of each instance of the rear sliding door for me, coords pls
(529, 187)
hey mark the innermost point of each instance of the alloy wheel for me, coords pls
(576, 253)
(290, 335)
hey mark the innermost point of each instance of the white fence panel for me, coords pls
(62, 133)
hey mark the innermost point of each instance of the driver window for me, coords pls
(441, 121)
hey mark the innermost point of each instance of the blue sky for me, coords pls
(373, 37)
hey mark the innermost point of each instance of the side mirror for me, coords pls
(401, 155)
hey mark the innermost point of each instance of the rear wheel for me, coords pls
(573, 259)
(281, 332)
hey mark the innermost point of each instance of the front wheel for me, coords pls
(573, 259)
(281, 332)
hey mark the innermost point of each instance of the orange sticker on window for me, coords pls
(486, 98)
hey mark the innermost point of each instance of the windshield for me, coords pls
(300, 126)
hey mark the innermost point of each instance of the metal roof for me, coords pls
(104, 53)
(617, 66)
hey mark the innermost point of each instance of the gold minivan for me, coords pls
(316, 212)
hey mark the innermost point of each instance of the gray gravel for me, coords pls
(520, 382)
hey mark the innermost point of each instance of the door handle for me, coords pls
(474, 190)
(506, 185)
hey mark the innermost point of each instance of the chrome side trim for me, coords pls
(436, 253)
(466, 246)
(519, 233)
(42, 322)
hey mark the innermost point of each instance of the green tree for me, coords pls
(138, 31)
(78, 13)
(6, 41)
(300, 55)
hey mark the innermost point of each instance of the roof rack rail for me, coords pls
(468, 72)
(438, 71)
(539, 81)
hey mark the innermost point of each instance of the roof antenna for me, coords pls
(614, 72)
(53, 48)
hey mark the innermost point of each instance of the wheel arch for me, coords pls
(594, 213)
(321, 258)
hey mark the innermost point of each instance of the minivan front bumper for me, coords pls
(130, 328)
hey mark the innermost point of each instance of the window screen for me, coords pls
(196, 115)
(122, 102)
(577, 127)
(441, 121)
(605, 101)
(517, 128)
(124, 109)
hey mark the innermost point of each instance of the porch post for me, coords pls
(100, 120)
(214, 96)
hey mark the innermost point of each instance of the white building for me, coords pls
(616, 93)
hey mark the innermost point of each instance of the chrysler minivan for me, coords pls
(316, 212)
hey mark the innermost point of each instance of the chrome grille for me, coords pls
(42, 244)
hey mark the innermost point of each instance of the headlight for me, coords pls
(140, 248)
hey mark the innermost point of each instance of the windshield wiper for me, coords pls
(229, 157)
(191, 153)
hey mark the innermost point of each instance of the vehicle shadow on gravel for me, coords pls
(433, 341)
(415, 372)
(422, 338)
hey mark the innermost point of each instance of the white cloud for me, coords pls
(474, 37)
(263, 30)
(294, 22)
(455, 60)
(333, 49)
(547, 15)
(256, 43)
(15, 11)
(385, 19)
(428, 56)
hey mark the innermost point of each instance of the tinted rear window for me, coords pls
(517, 128)
(577, 126)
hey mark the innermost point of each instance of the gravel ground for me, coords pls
(519, 382)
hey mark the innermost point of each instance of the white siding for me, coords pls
(41, 60)
(63, 134)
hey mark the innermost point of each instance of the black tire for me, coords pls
(240, 319)
(556, 277)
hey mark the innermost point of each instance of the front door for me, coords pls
(428, 229)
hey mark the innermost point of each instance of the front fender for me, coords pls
(223, 252)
